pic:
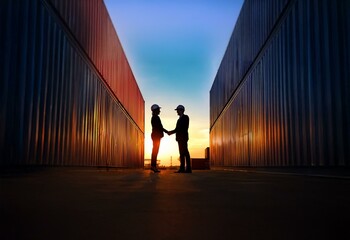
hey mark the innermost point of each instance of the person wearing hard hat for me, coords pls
(181, 131)
(157, 134)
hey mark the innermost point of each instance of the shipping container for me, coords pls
(281, 94)
(68, 96)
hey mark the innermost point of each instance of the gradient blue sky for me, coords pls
(174, 49)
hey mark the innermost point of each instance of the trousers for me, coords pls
(155, 150)
(184, 156)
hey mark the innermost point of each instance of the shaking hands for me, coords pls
(168, 132)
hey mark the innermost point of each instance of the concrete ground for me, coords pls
(89, 203)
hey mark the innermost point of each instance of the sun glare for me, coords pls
(168, 151)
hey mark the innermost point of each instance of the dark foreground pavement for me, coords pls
(75, 203)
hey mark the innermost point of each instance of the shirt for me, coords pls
(157, 127)
(181, 129)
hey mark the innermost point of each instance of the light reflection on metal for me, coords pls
(68, 95)
(281, 94)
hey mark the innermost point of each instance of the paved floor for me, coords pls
(75, 203)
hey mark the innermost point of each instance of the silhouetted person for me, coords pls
(181, 131)
(157, 134)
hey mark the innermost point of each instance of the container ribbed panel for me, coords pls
(60, 104)
(281, 94)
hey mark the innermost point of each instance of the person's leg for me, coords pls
(185, 155)
(182, 156)
(188, 158)
(155, 149)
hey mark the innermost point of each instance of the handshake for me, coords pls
(169, 132)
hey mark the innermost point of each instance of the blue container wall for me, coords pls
(285, 103)
(90, 24)
(56, 108)
(243, 48)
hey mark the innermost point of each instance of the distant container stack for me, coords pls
(68, 96)
(281, 96)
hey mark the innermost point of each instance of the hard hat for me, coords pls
(180, 107)
(154, 107)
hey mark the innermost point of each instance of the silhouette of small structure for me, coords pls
(201, 163)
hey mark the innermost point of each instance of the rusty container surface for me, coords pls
(67, 94)
(91, 25)
(281, 96)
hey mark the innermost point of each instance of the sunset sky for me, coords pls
(174, 49)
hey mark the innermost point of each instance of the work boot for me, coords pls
(155, 169)
(180, 171)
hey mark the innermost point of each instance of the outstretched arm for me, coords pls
(171, 132)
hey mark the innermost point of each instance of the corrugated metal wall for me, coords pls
(68, 95)
(89, 22)
(281, 96)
